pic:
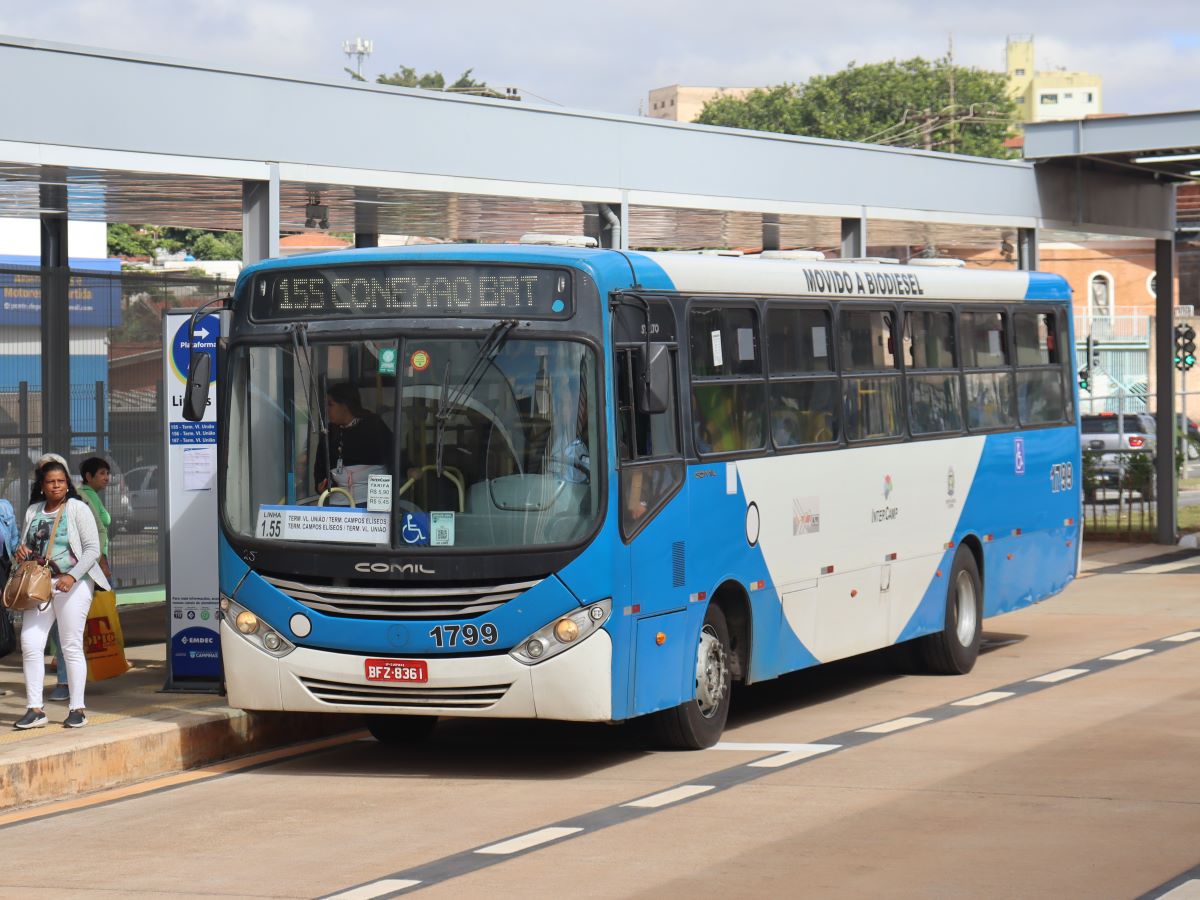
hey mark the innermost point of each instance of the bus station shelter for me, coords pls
(269, 154)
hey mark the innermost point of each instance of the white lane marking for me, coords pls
(654, 801)
(789, 748)
(1189, 890)
(895, 725)
(982, 699)
(1164, 568)
(1060, 675)
(525, 841)
(1132, 653)
(793, 756)
(376, 889)
(1186, 636)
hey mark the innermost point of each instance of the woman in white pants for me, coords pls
(74, 551)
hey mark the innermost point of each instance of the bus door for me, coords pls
(653, 513)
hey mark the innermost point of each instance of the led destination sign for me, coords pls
(413, 290)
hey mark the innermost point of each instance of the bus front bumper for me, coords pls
(573, 686)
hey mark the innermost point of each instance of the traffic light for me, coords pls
(1185, 347)
(1085, 380)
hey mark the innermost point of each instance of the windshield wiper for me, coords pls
(483, 357)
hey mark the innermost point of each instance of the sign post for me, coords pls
(193, 614)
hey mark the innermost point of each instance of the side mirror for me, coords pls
(195, 392)
(654, 391)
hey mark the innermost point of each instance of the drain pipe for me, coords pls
(614, 225)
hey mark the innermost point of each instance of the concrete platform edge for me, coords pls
(123, 753)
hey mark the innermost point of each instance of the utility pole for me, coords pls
(926, 129)
(950, 72)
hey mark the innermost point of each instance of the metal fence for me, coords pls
(116, 408)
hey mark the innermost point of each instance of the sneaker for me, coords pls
(75, 719)
(60, 693)
(33, 718)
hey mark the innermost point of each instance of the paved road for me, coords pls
(1069, 771)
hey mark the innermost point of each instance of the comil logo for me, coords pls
(393, 568)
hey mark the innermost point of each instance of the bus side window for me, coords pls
(648, 448)
(988, 377)
(934, 388)
(872, 402)
(1040, 390)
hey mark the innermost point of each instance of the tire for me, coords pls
(699, 722)
(398, 731)
(954, 649)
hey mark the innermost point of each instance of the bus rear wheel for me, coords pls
(698, 723)
(954, 649)
(401, 730)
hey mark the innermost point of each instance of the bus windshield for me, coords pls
(478, 442)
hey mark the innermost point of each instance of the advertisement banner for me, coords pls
(194, 653)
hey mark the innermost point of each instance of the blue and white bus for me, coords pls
(601, 485)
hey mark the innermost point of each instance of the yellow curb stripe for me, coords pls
(179, 778)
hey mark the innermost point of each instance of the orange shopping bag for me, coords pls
(103, 640)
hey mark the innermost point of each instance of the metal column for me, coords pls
(55, 317)
(260, 218)
(366, 217)
(1027, 249)
(770, 231)
(854, 237)
(1164, 376)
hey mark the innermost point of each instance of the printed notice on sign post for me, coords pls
(379, 493)
(321, 523)
(199, 467)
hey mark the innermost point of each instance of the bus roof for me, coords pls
(745, 275)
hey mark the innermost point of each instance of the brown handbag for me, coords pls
(31, 584)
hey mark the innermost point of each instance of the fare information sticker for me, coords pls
(321, 523)
(379, 493)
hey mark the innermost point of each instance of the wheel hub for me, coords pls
(964, 598)
(712, 672)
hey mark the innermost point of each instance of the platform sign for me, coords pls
(194, 651)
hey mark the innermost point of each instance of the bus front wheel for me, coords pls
(400, 730)
(698, 723)
(954, 649)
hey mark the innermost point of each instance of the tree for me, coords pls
(143, 240)
(914, 103)
(406, 76)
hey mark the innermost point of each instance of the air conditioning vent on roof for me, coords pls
(940, 262)
(870, 260)
(560, 240)
(792, 254)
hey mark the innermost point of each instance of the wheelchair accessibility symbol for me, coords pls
(415, 530)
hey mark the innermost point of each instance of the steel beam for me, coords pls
(55, 317)
(1164, 373)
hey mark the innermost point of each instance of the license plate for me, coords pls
(392, 670)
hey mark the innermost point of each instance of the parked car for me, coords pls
(1110, 435)
(141, 486)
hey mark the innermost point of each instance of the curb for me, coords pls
(121, 753)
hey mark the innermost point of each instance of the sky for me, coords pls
(607, 56)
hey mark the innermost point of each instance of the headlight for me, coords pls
(254, 629)
(562, 633)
